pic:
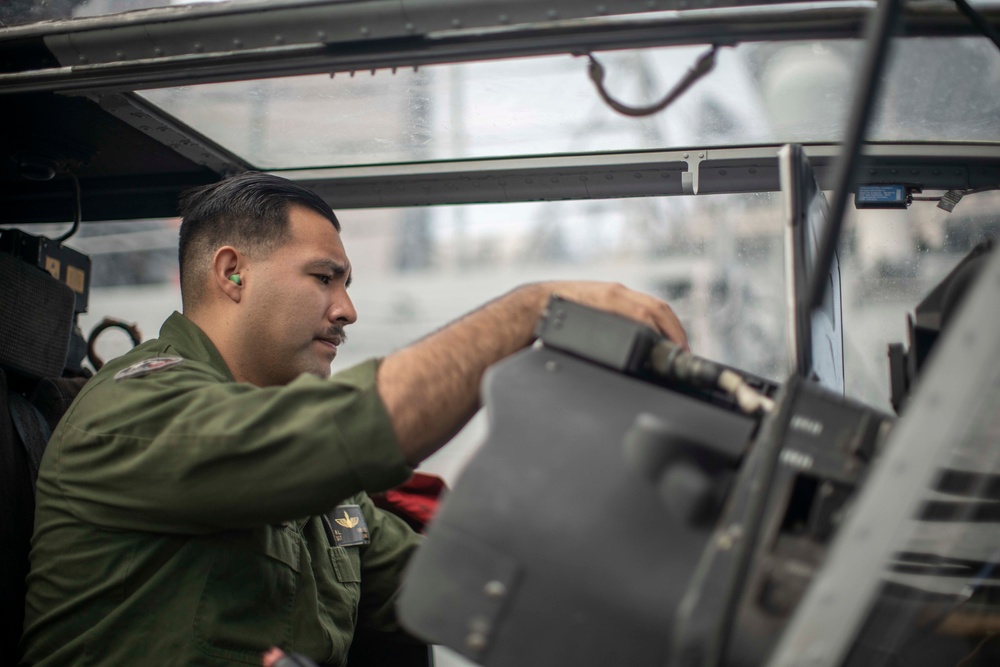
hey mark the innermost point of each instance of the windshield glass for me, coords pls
(767, 93)
(23, 12)
(717, 259)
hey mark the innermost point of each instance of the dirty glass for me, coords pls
(939, 593)
(416, 269)
(23, 12)
(716, 259)
(937, 601)
(766, 93)
(890, 261)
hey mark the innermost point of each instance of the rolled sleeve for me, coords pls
(380, 464)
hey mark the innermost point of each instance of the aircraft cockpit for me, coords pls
(813, 186)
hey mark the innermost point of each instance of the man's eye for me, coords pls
(323, 278)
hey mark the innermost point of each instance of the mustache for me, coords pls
(336, 334)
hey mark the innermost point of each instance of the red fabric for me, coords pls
(414, 501)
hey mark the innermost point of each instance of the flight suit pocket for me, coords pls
(346, 564)
(339, 594)
(247, 601)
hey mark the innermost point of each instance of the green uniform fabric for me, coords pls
(170, 526)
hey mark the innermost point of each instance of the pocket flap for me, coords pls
(346, 564)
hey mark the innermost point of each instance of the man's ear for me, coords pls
(226, 265)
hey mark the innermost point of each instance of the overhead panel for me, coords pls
(202, 43)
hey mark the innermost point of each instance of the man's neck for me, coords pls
(225, 336)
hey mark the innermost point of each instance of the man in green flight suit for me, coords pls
(184, 502)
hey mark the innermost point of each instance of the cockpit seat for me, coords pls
(36, 323)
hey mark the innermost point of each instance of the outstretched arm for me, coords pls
(431, 388)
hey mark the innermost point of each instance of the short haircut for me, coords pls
(248, 212)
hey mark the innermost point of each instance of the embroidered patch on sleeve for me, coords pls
(147, 366)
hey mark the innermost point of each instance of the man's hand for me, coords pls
(431, 388)
(618, 299)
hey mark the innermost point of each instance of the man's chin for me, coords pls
(323, 372)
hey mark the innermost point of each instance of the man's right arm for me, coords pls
(431, 388)
(183, 450)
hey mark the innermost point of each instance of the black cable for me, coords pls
(878, 29)
(78, 212)
(978, 20)
(108, 322)
(704, 65)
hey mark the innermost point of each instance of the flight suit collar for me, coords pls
(192, 343)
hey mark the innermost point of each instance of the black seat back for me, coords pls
(36, 322)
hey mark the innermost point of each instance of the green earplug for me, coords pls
(236, 278)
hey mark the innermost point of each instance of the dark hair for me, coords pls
(248, 212)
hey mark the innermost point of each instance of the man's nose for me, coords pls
(342, 311)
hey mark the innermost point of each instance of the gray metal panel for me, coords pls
(162, 127)
(514, 180)
(592, 562)
(815, 335)
(163, 48)
(960, 387)
(634, 174)
(299, 20)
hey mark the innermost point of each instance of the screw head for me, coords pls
(494, 589)
(475, 641)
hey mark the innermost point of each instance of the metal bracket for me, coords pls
(689, 178)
